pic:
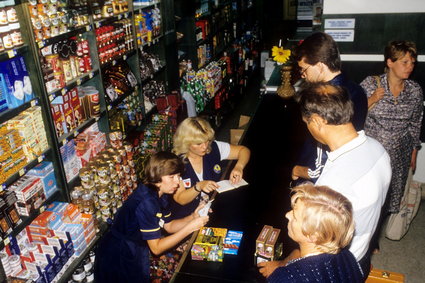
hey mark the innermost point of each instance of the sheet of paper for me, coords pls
(225, 185)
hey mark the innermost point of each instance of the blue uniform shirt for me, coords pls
(123, 254)
(212, 171)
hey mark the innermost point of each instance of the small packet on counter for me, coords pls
(232, 242)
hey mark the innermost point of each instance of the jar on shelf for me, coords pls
(88, 203)
(77, 198)
(5, 37)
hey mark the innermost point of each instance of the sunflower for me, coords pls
(280, 55)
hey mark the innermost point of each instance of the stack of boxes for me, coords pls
(266, 245)
(29, 192)
(42, 251)
(12, 156)
(45, 172)
(9, 217)
(209, 244)
(29, 125)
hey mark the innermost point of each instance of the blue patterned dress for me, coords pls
(396, 124)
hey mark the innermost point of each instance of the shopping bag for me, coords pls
(398, 223)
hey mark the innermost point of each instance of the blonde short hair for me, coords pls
(193, 130)
(328, 216)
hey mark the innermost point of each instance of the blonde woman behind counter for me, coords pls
(202, 155)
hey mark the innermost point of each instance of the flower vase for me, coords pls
(286, 90)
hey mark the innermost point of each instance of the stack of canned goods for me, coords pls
(84, 272)
(107, 180)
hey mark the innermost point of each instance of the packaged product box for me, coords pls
(260, 243)
(58, 119)
(78, 109)
(68, 112)
(209, 244)
(46, 173)
(30, 194)
(271, 244)
(232, 242)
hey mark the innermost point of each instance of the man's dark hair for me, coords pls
(319, 47)
(330, 102)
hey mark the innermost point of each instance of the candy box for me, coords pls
(271, 244)
(209, 244)
(232, 242)
(262, 238)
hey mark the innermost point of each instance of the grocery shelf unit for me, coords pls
(33, 51)
(222, 26)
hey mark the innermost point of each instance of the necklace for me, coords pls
(300, 258)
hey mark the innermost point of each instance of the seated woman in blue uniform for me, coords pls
(202, 155)
(321, 222)
(123, 253)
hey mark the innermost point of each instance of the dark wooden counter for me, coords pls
(275, 136)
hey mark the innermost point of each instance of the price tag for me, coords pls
(88, 28)
(11, 53)
(124, 57)
(3, 186)
(75, 133)
(97, 24)
(40, 44)
(64, 142)
(96, 119)
(78, 81)
(6, 241)
(119, 17)
(33, 103)
(51, 97)
(63, 91)
(114, 63)
(42, 209)
(109, 107)
(149, 43)
(40, 158)
(22, 172)
(91, 75)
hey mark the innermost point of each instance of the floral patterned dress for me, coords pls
(396, 124)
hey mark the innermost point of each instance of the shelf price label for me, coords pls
(78, 81)
(3, 187)
(41, 44)
(124, 57)
(97, 24)
(21, 172)
(33, 103)
(6, 241)
(75, 133)
(40, 158)
(11, 53)
(42, 208)
(51, 97)
(109, 107)
(91, 75)
(63, 91)
(64, 141)
(88, 28)
(119, 17)
(114, 63)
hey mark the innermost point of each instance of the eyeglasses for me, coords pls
(302, 71)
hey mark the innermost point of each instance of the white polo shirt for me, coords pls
(361, 171)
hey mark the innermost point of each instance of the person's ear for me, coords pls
(312, 238)
(317, 120)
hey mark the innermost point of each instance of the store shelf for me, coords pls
(116, 59)
(138, 6)
(153, 42)
(24, 170)
(107, 21)
(63, 36)
(144, 81)
(24, 221)
(73, 83)
(12, 112)
(68, 136)
(13, 52)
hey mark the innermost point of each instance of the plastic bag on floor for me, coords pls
(398, 223)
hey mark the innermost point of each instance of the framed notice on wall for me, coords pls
(289, 9)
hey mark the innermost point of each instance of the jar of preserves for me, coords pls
(88, 203)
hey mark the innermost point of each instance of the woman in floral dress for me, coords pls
(395, 114)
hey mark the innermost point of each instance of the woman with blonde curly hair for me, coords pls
(202, 155)
(321, 222)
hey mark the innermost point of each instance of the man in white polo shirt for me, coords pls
(358, 166)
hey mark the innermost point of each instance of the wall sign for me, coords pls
(341, 35)
(339, 23)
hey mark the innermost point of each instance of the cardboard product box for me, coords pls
(79, 113)
(46, 173)
(209, 244)
(58, 119)
(260, 243)
(68, 112)
(232, 242)
(271, 244)
(30, 194)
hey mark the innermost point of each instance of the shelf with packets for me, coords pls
(20, 222)
(12, 112)
(110, 20)
(72, 83)
(143, 4)
(10, 53)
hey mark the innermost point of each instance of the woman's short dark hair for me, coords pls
(319, 47)
(399, 48)
(161, 164)
(330, 102)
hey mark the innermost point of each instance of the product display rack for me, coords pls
(32, 53)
